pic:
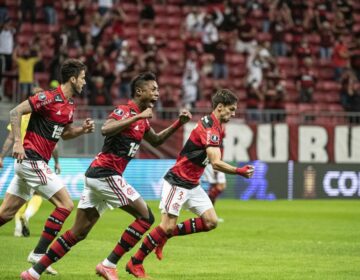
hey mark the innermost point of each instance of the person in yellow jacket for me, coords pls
(29, 209)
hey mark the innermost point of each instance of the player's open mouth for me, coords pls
(153, 101)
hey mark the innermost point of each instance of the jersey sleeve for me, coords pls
(120, 113)
(210, 137)
(40, 101)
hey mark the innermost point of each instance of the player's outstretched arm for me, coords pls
(112, 126)
(71, 131)
(15, 121)
(214, 156)
(156, 139)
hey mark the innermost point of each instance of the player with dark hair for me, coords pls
(30, 208)
(181, 186)
(105, 187)
(51, 118)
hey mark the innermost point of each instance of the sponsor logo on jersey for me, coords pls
(137, 127)
(132, 112)
(58, 98)
(118, 112)
(58, 113)
(42, 96)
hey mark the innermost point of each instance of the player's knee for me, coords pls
(168, 228)
(69, 205)
(210, 224)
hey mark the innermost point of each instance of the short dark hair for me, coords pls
(139, 80)
(71, 68)
(225, 97)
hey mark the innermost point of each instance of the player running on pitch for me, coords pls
(181, 186)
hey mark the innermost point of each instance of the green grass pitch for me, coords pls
(259, 240)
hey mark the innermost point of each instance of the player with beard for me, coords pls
(182, 188)
(51, 118)
(105, 187)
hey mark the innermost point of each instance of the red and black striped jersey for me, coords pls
(119, 149)
(51, 112)
(192, 160)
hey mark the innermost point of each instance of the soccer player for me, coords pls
(105, 186)
(181, 185)
(30, 208)
(51, 118)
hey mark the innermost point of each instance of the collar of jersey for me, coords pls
(134, 106)
(216, 121)
(62, 94)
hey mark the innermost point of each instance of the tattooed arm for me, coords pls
(15, 121)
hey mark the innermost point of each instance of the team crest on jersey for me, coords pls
(118, 112)
(130, 191)
(42, 96)
(176, 206)
(214, 138)
(58, 98)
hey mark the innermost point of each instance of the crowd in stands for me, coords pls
(283, 55)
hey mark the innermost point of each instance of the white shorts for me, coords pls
(214, 177)
(108, 192)
(34, 176)
(174, 198)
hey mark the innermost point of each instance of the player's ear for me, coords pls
(73, 79)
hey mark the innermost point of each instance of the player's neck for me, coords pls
(139, 104)
(67, 90)
(217, 116)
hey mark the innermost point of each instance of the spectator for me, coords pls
(253, 102)
(346, 81)
(355, 56)
(246, 41)
(220, 66)
(230, 19)
(351, 99)
(207, 65)
(190, 81)
(194, 20)
(6, 45)
(99, 96)
(306, 81)
(274, 95)
(125, 69)
(117, 27)
(74, 18)
(210, 34)
(147, 13)
(26, 64)
(340, 57)
(303, 51)
(257, 62)
(326, 41)
(280, 22)
(50, 12)
(26, 7)
(192, 42)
